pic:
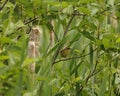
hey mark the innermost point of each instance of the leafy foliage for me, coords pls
(90, 28)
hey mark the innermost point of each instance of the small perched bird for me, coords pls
(65, 52)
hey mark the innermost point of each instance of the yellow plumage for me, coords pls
(65, 52)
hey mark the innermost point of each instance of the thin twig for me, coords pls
(68, 26)
(55, 34)
(56, 54)
(3, 5)
(65, 32)
(74, 57)
(90, 75)
(94, 73)
(31, 20)
(52, 24)
(79, 14)
(25, 23)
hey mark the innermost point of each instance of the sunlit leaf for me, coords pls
(88, 35)
(84, 10)
(19, 24)
(4, 57)
(118, 40)
(4, 40)
(57, 45)
(86, 1)
(92, 69)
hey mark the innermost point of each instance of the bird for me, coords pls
(65, 52)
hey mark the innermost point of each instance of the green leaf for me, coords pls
(118, 40)
(37, 2)
(3, 68)
(86, 1)
(28, 94)
(56, 46)
(2, 65)
(11, 27)
(62, 93)
(76, 68)
(19, 24)
(10, 5)
(28, 61)
(103, 84)
(68, 10)
(75, 38)
(4, 40)
(109, 36)
(106, 43)
(4, 57)
(41, 78)
(84, 10)
(88, 35)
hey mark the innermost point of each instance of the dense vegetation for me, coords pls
(87, 30)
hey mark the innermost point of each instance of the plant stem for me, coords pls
(3, 5)
(60, 46)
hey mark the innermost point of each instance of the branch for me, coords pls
(79, 14)
(52, 25)
(90, 75)
(74, 57)
(55, 34)
(65, 32)
(31, 20)
(68, 26)
(3, 5)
